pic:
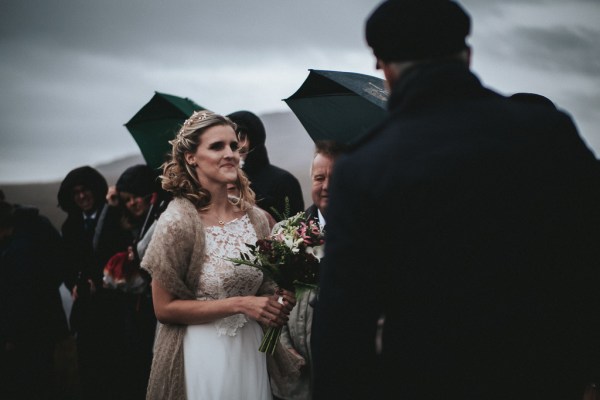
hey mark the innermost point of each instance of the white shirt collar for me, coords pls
(92, 215)
(321, 219)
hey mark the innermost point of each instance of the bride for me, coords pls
(209, 309)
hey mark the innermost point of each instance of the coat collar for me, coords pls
(434, 83)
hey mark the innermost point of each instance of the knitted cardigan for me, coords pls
(174, 258)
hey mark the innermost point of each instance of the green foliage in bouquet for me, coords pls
(290, 256)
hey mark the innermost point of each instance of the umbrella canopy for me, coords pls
(158, 122)
(339, 106)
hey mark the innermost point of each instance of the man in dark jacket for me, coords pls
(82, 195)
(271, 184)
(468, 223)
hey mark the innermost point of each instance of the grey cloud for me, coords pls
(124, 27)
(576, 50)
(74, 71)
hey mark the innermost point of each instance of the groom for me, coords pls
(469, 223)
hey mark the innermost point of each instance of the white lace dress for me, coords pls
(221, 359)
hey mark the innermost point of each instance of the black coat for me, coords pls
(31, 272)
(312, 212)
(471, 222)
(271, 184)
(77, 239)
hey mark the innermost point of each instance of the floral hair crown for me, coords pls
(198, 116)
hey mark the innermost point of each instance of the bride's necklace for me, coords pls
(220, 220)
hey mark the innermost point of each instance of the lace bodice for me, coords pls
(220, 278)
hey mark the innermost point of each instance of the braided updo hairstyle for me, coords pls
(181, 179)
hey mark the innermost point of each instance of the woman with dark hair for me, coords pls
(210, 310)
(134, 204)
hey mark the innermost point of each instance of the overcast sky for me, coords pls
(72, 72)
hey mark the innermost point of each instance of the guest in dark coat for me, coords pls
(135, 203)
(271, 184)
(82, 195)
(32, 319)
(469, 223)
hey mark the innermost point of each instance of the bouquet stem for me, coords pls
(270, 340)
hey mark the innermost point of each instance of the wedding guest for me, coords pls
(135, 203)
(271, 184)
(469, 223)
(82, 195)
(296, 334)
(32, 319)
(232, 190)
(210, 310)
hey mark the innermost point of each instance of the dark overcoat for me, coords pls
(470, 222)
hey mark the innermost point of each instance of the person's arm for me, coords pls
(266, 310)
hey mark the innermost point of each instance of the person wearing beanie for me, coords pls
(134, 204)
(473, 272)
(271, 184)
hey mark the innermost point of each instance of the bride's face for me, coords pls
(217, 157)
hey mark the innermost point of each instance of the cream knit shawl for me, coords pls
(174, 258)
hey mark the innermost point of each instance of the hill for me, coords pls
(288, 144)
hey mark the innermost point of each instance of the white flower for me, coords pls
(317, 251)
(289, 242)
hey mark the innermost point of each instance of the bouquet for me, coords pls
(290, 256)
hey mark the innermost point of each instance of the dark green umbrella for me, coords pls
(340, 106)
(158, 122)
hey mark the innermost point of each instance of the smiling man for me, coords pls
(320, 173)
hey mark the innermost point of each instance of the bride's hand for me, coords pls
(288, 299)
(267, 310)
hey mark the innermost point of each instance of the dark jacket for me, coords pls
(31, 272)
(77, 239)
(77, 236)
(271, 184)
(471, 222)
(312, 212)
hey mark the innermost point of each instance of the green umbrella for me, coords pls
(339, 106)
(158, 122)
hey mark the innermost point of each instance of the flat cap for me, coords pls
(403, 30)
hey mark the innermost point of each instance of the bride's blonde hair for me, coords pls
(181, 179)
